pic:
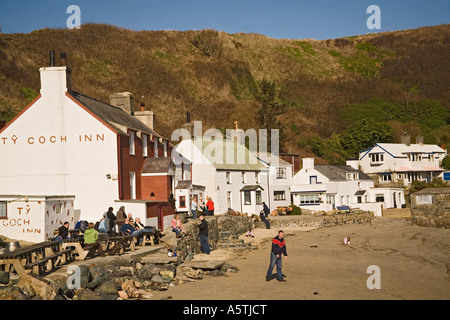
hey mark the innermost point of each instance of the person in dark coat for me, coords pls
(263, 214)
(63, 231)
(111, 221)
(203, 234)
(278, 248)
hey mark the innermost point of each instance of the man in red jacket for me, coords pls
(278, 248)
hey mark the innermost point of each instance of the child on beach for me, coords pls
(250, 233)
(347, 241)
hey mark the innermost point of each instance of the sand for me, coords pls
(413, 263)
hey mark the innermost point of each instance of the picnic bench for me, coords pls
(111, 245)
(38, 258)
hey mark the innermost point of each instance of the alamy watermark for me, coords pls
(374, 21)
(74, 20)
(374, 280)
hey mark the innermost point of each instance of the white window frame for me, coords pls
(133, 185)
(132, 142)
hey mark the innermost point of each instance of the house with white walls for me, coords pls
(68, 144)
(398, 164)
(280, 180)
(343, 187)
(232, 176)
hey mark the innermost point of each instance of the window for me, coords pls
(131, 142)
(379, 197)
(330, 199)
(133, 185)
(182, 201)
(258, 197)
(155, 147)
(229, 199)
(377, 157)
(3, 212)
(228, 176)
(279, 195)
(386, 177)
(243, 177)
(247, 198)
(257, 177)
(281, 173)
(309, 199)
(313, 180)
(58, 208)
(415, 157)
(144, 145)
(165, 148)
(359, 199)
(424, 199)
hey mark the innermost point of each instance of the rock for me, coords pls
(11, 293)
(97, 282)
(148, 271)
(97, 271)
(166, 274)
(40, 286)
(157, 278)
(86, 294)
(123, 295)
(106, 288)
(4, 277)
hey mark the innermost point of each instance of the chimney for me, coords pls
(308, 163)
(52, 58)
(354, 163)
(122, 100)
(63, 57)
(188, 125)
(146, 117)
(419, 140)
(54, 79)
(406, 139)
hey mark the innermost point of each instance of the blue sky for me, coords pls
(295, 19)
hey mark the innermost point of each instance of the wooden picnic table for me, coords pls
(37, 258)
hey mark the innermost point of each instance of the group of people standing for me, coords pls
(206, 209)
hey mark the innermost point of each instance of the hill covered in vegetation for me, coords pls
(330, 98)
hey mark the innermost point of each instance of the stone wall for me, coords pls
(238, 225)
(432, 215)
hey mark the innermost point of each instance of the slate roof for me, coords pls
(157, 165)
(116, 117)
(243, 159)
(339, 172)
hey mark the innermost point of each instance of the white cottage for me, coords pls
(343, 187)
(232, 176)
(280, 175)
(398, 164)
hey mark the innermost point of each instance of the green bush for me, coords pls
(296, 211)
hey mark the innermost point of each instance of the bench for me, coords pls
(36, 258)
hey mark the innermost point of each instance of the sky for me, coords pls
(291, 19)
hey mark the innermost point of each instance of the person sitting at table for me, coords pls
(141, 230)
(127, 229)
(63, 231)
(91, 239)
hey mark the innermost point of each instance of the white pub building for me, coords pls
(68, 157)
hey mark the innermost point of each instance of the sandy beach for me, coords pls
(413, 262)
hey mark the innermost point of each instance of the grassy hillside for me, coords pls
(325, 86)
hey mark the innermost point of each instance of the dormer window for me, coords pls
(376, 158)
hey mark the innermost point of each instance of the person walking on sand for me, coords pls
(278, 248)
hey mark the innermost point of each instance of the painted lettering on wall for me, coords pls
(24, 222)
(53, 139)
